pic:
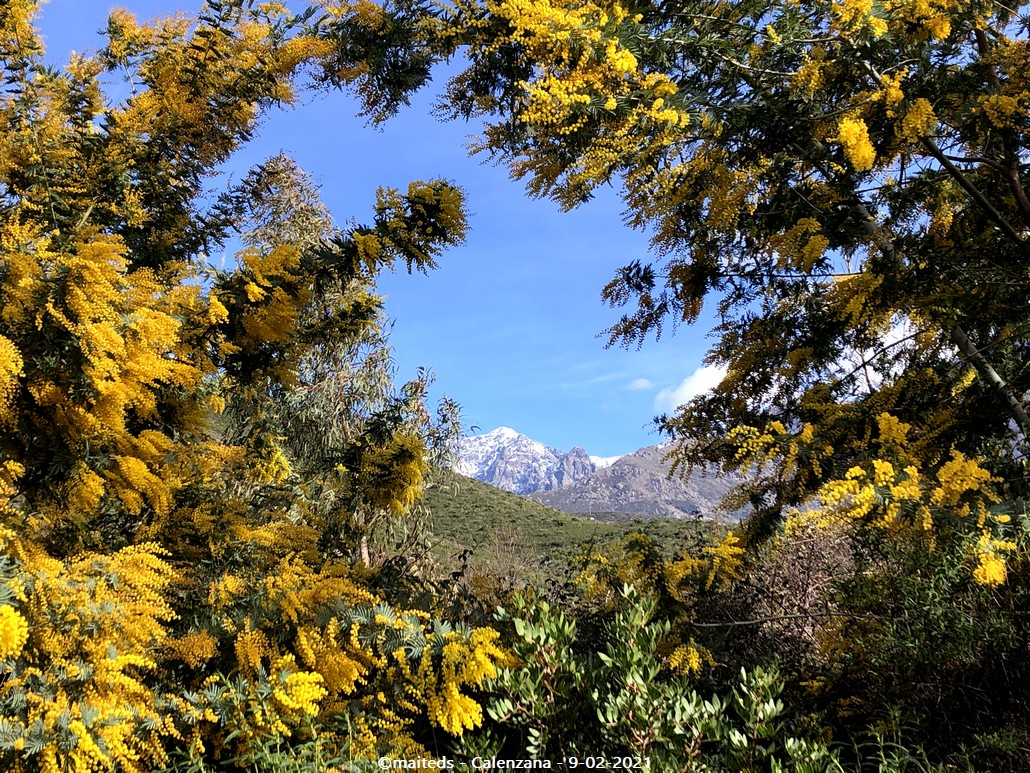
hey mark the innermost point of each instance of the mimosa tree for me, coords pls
(844, 183)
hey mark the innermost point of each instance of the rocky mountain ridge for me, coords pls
(636, 485)
(514, 462)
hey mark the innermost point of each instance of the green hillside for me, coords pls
(512, 536)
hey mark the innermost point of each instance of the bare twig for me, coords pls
(777, 618)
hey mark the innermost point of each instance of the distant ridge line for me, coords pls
(636, 485)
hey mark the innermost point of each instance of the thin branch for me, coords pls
(1011, 172)
(793, 276)
(749, 68)
(777, 618)
(879, 353)
(977, 160)
(960, 177)
(973, 355)
(958, 335)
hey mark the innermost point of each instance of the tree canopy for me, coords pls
(845, 182)
(196, 463)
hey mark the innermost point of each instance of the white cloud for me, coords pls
(640, 384)
(697, 383)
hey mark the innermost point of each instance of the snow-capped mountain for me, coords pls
(638, 485)
(514, 462)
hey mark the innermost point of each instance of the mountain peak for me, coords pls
(640, 486)
(515, 462)
(502, 432)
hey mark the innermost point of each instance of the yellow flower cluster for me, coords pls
(9, 474)
(725, 561)
(298, 691)
(990, 567)
(86, 634)
(133, 480)
(990, 570)
(890, 90)
(677, 576)
(465, 662)
(251, 648)
(415, 225)
(126, 33)
(755, 448)
(217, 313)
(886, 494)
(223, 591)
(845, 499)
(958, 477)
(637, 561)
(889, 492)
(369, 247)
(800, 246)
(14, 632)
(931, 18)
(127, 329)
(363, 666)
(271, 464)
(294, 53)
(354, 662)
(271, 318)
(11, 365)
(892, 432)
(195, 648)
(1004, 110)
(918, 122)
(586, 72)
(854, 295)
(688, 659)
(810, 77)
(857, 15)
(391, 475)
(324, 650)
(259, 706)
(85, 490)
(269, 269)
(297, 590)
(853, 135)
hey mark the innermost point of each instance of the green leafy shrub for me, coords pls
(625, 697)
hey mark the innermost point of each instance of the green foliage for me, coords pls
(924, 639)
(619, 696)
(638, 710)
(273, 753)
(523, 541)
(547, 689)
(887, 752)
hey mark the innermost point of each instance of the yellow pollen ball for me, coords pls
(14, 632)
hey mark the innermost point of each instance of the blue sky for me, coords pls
(510, 321)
